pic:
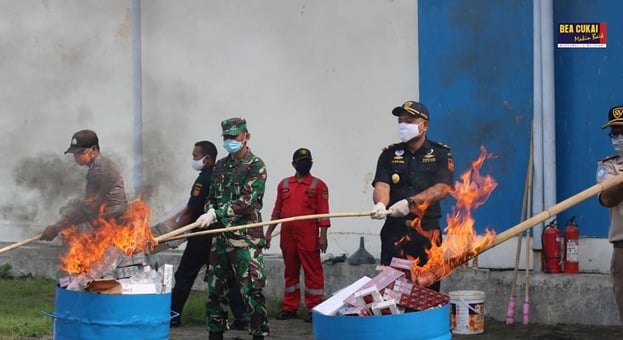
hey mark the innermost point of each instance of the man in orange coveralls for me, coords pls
(301, 241)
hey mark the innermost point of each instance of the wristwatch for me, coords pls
(410, 201)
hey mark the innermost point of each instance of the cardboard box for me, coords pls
(335, 302)
(140, 288)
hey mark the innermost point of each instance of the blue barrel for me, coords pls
(82, 315)
(431, 324)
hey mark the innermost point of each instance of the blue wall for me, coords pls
(588, 82)
(476, 78)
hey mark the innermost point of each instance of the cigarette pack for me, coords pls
(385, 308)
(414, 297)
(384, 279)
(368, 296)
(403, 265)
(167, 278)
(356, 311)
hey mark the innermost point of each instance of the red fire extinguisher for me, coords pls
(551, 248)
(572, 247)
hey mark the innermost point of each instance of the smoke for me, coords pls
(166, 101)
(49, 183)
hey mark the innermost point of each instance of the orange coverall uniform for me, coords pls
(299, 239)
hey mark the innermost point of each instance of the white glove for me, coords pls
(379, 212)
(207, 218)
(399, 209)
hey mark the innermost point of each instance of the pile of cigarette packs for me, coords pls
(391, 291)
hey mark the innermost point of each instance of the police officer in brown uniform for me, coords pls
(612, 198)
(409, 173)
(104, 185)
(105, 189)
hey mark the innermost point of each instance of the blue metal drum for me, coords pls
(431, 324)
(82, 315)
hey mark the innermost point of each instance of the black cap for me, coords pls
(615, 116)
(81, 140)
(301, 154)
(413, 108)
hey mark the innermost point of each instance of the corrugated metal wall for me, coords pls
(588, 82)
(476, 77)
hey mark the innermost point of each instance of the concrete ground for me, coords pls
(494, 330)
(581, 299)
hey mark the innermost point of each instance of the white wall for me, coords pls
(321, 74)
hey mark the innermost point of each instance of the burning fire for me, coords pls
(461, 242)
(130, 234)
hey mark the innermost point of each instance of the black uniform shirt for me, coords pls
(411, 173)
(199, 193)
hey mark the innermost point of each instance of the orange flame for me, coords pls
(131, 233)
(461, 242)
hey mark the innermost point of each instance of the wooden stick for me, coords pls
(172, 234)
(555, 210)
(20, 243)
(261, 224)
(32, 239)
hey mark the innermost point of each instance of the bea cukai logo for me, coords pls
(579, 28)
(582, 34)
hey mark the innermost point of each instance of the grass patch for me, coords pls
(23, 300)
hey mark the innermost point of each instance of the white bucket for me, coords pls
(467, 311)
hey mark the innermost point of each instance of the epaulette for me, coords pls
(445, 146)
(389, 146)
(608, 158)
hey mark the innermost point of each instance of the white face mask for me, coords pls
(617, 143)
(197, 164)
(407, 132)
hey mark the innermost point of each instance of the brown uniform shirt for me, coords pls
(104, 186)
(606, 168)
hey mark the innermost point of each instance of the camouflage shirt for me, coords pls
(236, 195)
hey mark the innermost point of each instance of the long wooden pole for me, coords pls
(166, 237)
(554, 210)
(20, 243)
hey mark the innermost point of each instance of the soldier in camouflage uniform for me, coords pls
(235, 198)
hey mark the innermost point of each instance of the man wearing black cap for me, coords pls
(410, 175)
(301, 241)
(612, 198)
(104, 185)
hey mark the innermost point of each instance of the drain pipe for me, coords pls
(137, 95)
(549, 105)
(537, 127)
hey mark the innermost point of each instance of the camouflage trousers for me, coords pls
(245, 265)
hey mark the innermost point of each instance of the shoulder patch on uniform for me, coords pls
(608, 158)
(389, 146)
(445, 146)
(601, 172)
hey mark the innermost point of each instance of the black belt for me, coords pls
(617, 244)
